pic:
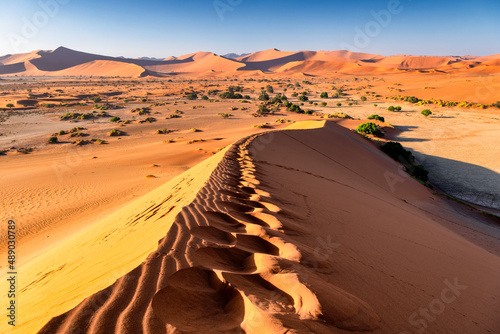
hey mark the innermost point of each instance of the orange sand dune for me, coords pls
(415, 62)
(104, 68)
(19, 58)
(197, 63)
(311, 229)
(319, 63)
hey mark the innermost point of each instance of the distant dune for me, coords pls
(299, 231)
(319, 63)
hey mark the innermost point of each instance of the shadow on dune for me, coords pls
(468, 182)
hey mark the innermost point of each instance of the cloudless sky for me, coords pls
(162, 28)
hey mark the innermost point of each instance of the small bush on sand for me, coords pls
(377, 117)
(363, 98)
(426, 112)
(53, 140)
(396, 151)
(369, 128)
(324, 95)
(115, 133)
(114, 119)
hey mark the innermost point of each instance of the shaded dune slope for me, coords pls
(299, 231)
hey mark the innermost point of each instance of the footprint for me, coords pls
(197, 301)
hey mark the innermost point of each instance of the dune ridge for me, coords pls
(228, 267)
(66, 62)
(243, 255)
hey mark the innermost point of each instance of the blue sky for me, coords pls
(161, 28)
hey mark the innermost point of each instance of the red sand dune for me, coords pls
(308, 230)
(268, 61)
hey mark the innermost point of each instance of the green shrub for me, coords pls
(324, 95)
(419, 172)
(303, 98)
(204, 97)
(114, 119)
(97, 99)
(323, 104)
(363, 98)
(339, 104)
(377, 117)
(308, 112)
(264, 97)
(369, 128)
(53, 140)
(269, 89)
(398, 108)
(10, 105)
(391, 108)
(224, 115)
(426, 112)
(396, 151)
(115, 132)
(192, 96)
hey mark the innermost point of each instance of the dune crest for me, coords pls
(293, 233)
(64, 61)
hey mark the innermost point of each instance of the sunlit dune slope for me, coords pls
(310, 229)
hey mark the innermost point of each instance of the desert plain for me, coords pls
(188, 195)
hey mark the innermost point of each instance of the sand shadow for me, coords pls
(465, 181)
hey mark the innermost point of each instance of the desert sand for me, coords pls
(260, 240)
(286, 222)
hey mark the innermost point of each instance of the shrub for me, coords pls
(192, 96)
(224, 115)
(377, 117)
(496, 104)
(303, 98)
(426, 112)
(97, 99)
(323, 104)
(269, 89)
(163, 131)
(363, 98)
(62, 132)
(398, 108)
(10, 105)
(308, 112)
(419, 172)
(204, 97)
(339, 104)
(369, 128)
(115, 132)
(148, 120)
(230, 95)
(114, 119)
(263, 109)
(391, 108)
(53, 140)
(264, 97)
(324, 95)
(396, 151)
(295, 94)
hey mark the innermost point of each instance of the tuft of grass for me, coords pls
(115, 133)
(224, 115)
(163, 131)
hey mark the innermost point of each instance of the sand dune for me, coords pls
(269, 61)
(289, 231)
(104, 68)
